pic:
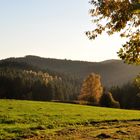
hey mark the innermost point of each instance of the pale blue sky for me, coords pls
(52, 28)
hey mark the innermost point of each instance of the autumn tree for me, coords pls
(122, 16)
(91, 90)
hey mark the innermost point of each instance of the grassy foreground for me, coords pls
(30, 119)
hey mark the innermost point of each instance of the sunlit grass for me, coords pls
(27, 118)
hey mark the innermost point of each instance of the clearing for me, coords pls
(33, 120)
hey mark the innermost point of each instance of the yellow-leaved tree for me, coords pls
(91, 90)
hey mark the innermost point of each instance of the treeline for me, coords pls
(36, 85)
(128, 95)
(93, 93)
(24, 81)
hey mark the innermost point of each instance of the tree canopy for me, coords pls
(91, 90)
(121, 16)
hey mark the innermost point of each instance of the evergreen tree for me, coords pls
(107, 100)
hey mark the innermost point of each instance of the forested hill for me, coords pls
(113, 72)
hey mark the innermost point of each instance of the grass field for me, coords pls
(47, 120)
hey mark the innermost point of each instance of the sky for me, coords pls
(52, 29)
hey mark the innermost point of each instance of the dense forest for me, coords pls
(113, 72)
(23, 84)
(35, 78)
(22, 81)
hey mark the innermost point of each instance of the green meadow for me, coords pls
(30, 119)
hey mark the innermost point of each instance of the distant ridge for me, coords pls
(111, 61)
(113, 72)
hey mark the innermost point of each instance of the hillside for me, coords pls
(113, 72)
(48, 120)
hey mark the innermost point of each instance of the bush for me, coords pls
(107, 100)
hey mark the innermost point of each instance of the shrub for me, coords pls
(107, 100)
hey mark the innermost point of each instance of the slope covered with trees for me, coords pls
(36, 78)
(113, 72)
(31, 85)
